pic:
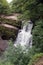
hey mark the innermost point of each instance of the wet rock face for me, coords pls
(3, 45)
(4, 37)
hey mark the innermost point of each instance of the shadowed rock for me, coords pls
(3, 44)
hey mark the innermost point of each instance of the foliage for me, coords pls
(30, 9)
(6, 63)
(18, 56)
(4, 7)
(38, 35)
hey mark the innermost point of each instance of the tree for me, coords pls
(4, 7)
(38, 35)
(30, 9)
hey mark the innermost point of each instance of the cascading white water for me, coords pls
(24, 36)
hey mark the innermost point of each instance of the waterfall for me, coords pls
(24, 37)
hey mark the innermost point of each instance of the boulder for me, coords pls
(3, 45)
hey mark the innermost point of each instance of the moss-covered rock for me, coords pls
(7, 33)
(11, 22)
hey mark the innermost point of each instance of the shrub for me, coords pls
(6, 63)
(38, 35)
(18, 56)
